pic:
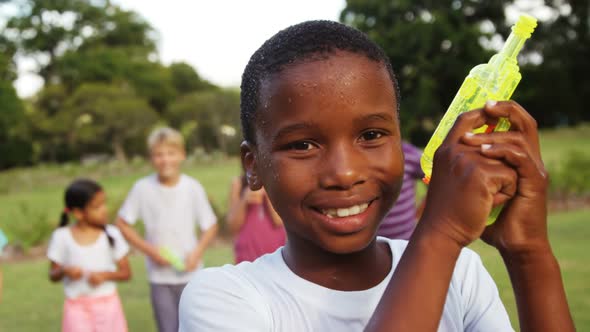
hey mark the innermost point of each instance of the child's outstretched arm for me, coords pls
(138, 242)
(473, 173)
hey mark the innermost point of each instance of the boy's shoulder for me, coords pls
(246, 284)
(235, 291)
(264, 265)
(240, 278)
(191, 181)
(148, 180)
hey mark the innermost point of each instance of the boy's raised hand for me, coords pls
(520, 232)
(465, 183)
(472, 173)
(521, 226)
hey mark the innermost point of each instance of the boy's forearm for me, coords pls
(205, 240)
(545, 310)
(134, 238)
(415, 296)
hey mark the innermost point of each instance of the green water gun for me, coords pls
(495, 80)
(174, 259)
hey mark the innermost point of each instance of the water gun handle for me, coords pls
(172, 258)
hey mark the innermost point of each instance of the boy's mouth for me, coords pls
(345, 211)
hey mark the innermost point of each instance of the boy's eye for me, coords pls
(371, 135)
(300, 146)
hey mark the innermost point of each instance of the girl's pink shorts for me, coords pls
(94, 314)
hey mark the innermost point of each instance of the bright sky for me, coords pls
(217, 37)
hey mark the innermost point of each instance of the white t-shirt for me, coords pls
(96, 257)
(267, 296)
(170, 216)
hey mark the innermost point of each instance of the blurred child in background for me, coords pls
(89, 256)
(400, 221)
(170, 204)
(257, 227)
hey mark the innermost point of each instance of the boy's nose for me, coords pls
(342, 168)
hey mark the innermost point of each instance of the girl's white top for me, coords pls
(96, 257)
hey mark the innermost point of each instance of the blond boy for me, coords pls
(170, 204)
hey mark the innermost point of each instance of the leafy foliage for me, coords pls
(432, 46)
(554, 89)
(209, 119)
(99, 113)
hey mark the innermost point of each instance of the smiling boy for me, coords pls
(321, 135)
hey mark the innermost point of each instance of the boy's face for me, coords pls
(328, 150)
(166, 159)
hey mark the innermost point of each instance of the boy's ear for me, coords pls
(249, 162)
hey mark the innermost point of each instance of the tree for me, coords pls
(83, 46)
(47, 29)
(186, 79)
(15, 148)
(554, 88)
(98, 113)
(210, 119)
(47, 132)
(432, 46)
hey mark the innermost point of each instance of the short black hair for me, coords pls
(309, 40)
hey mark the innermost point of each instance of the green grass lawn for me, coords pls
(32, 303)
(569, 233)
(31, 205)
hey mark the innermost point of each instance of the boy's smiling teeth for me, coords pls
(345, 212)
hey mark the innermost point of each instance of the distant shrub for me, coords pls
(33, 228)
(572, 176)
(15, 153)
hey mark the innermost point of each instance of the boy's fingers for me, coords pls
(518, 116)
(512, 138)
(515, 157)
(466, 122)
(520, 119)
